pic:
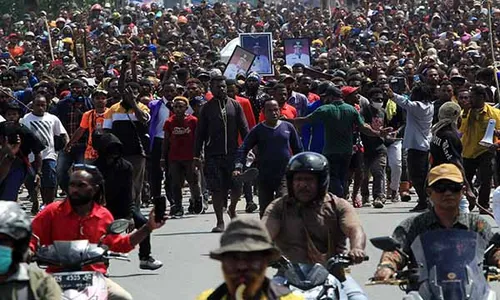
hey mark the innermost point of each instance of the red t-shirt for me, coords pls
(287, 111)
(181, 137)
(312, 97)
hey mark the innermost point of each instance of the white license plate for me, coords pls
(74, 280)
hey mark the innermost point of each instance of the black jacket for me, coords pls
(118, 178)
(218, 131)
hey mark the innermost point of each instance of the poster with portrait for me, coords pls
(239, 63)
(261, 45)
(297, 51)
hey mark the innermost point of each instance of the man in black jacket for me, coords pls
(118, 189)
(219, 123)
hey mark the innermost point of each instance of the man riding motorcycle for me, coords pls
(17, 280)
(310, 225)
(81, 216)
(445, 187)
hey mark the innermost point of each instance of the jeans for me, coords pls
(339, 167)
(375, 164)
(268, 191)
(139, 164)
(481, 166)
(64, 162)
(181, 170)
(418, 166)
(156, 174)
(395, 163)
(353, 290)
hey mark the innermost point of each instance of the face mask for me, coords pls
(377, 105)
(5, 259)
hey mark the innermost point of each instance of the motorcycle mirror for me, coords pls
(385, 243)
(118, 226)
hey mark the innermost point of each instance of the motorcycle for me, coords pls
(449, 265)
(71, 256)
(315, 281)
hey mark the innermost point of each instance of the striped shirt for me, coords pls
(124, 124)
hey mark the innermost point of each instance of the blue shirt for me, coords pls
(313, 135)
(273, 144)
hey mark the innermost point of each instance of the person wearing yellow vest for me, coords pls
(245, 252)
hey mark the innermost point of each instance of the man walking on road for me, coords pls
(273, 139)
(220, 122)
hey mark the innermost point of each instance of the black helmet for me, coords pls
(16, 224)
(312, 162)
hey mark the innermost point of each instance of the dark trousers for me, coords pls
(64, 162)
(268, 191)
(339, 167)
(418, 166)
(139, 221)
(181, 170)
(374, 163)
(404, 162)
(482, 166)
(156, 174)
(145, 245)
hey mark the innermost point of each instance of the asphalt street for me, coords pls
(183, 244)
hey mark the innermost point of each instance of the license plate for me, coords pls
(74, 280)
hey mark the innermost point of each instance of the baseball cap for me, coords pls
(332, 91)
(445, 171)
(347, 90)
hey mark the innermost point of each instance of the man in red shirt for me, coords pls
(179, 144)
(281, 96)
(304, 87)
(81, 216)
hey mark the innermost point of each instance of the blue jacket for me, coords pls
(313, 135)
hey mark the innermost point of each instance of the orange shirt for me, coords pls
(16, 51)
(91, 121)
(287, 111)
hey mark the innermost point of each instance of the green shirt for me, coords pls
(339, 119)
(32, 283)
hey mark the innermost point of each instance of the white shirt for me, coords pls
(2, 119)
(45, 127)
(163, 115)
(292, 59)
(261, 64)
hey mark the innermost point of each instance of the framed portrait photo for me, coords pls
(240, 62)
(261, 45)
(298, 51)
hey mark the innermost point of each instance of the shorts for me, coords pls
(49, 174)
(218, 171)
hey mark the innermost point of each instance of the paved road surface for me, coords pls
(183, 245)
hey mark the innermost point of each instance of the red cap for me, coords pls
(260, 23)
(12, 35)
(347, 90)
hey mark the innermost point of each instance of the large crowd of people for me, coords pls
(122, 106)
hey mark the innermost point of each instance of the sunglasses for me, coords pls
(84, 167)
(447, 186)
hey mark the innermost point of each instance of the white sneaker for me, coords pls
(150, 264)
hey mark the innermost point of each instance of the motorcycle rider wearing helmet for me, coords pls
(445, 188)
(310, 225)
(17, 280)
(82, 216)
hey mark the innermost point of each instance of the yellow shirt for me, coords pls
(473, 129)
(291, 296)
